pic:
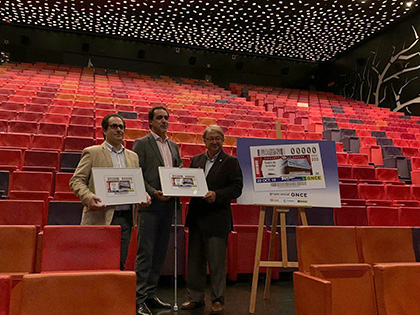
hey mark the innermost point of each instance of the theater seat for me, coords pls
(40, 161)
(350, 216)
(47, 142)
(326, 245)
(84, 247)
(64, 212)
(93, 293)
(5, 293)
(62, 189)
(397, 286)
(10, 159)
(21, 212)
(17, 248)
(385, 244)
(353, 289)
(382, 216)
(312, 295)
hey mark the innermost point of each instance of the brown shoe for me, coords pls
(190, 305)
(216, 308)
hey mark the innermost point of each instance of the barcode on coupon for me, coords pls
(291, 184)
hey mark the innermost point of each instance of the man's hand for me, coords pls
(210, 197)
(158, 194)
(147, 203)
(96, 204)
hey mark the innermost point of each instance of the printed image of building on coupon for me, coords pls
(116, 185)
(297, 166)
(183, 181)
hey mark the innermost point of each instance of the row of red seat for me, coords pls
(26, 251)
(362, 270)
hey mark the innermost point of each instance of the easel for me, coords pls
(284, 263)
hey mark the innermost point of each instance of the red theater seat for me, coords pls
(184, 137)
(23, 127)
(47, 142)
(313, 136)
(409, 216)
(38, 108)
(198, 129)
(387, 174)
(238, 132)
(52, 129)
(385, 244)
(245, 214)
(72, 247)
(190, 150)
(21, 212)
(18, 249)
(241, 250)
(349, 191)
(326, 245)
(77, 144)
(356, 159)
(257, 133)
(342, 158)
(397, 287)
(15, 140)
(399, 193)
(93, 293)
(56, 118)
(382, 216)
(80, 131)
(372, 193)
(30, 116)
(82, 120)
(31, 185)
(62, 189)
(345, 171)
(5, 293)
(40, 161)
(364, 172)
(10, 159)
(350, 216)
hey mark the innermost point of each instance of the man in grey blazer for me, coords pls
(154, 222)
(111, 153)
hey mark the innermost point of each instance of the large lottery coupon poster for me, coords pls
(289, 172)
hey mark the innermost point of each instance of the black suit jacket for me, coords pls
(150, 159)
(225, 179)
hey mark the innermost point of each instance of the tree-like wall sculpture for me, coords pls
(381, 75)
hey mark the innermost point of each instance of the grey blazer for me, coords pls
(150, 159)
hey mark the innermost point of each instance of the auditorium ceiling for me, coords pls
(310, 30)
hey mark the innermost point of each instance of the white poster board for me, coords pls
(119, 186)
(292, 173)
(183, 182)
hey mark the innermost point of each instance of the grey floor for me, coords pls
(237, 297)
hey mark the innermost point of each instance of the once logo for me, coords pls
(299, 194)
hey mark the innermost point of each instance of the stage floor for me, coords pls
(237, 297)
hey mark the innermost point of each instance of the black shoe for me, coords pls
(190, 305)
(143, 310)
(155, 302)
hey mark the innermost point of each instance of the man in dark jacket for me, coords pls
(209, 221)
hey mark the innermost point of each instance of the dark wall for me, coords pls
(352, 74)
(27, 44)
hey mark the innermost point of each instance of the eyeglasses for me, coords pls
(217, 139)
(116, 126)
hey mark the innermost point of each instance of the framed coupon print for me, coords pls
(183, 182)
(119, 186)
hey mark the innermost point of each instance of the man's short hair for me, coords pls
(214, 128)
(105, 120)
(152, 112)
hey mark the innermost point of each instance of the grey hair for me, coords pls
(214, 128)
